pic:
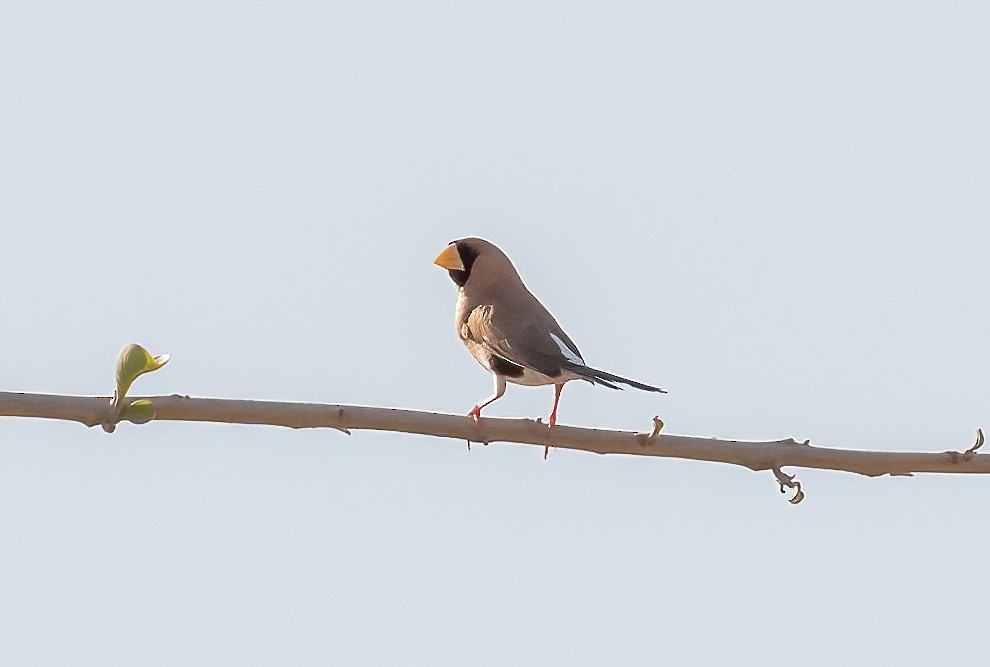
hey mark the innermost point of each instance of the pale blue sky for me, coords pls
(778, 212)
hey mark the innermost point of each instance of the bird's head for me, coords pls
(475, 258)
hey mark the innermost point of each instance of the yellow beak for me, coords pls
(450, 259)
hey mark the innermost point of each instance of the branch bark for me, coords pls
(768, 455)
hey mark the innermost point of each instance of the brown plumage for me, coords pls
(507, 329)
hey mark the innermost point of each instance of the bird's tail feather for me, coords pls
(609, 380)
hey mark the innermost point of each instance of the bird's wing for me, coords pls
(537, 343)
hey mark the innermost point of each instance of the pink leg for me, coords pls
(556, 400)
(499, 392)
(553, 413)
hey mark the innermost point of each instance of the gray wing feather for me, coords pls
(530, 343)
(525, 342)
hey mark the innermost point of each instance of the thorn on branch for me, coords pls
(657, 427)
(340, 416)
(971, 452)
(647, 440)
(788, 482)
(968, 455)
(483, 441)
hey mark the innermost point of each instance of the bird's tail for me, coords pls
(609, 380)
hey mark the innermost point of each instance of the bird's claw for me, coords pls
(550, 426)
(475, 414)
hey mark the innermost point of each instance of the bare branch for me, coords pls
(769, 455)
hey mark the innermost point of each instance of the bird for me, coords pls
(508, 331)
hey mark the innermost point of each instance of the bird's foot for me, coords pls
(550, 426)
(475, 414)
